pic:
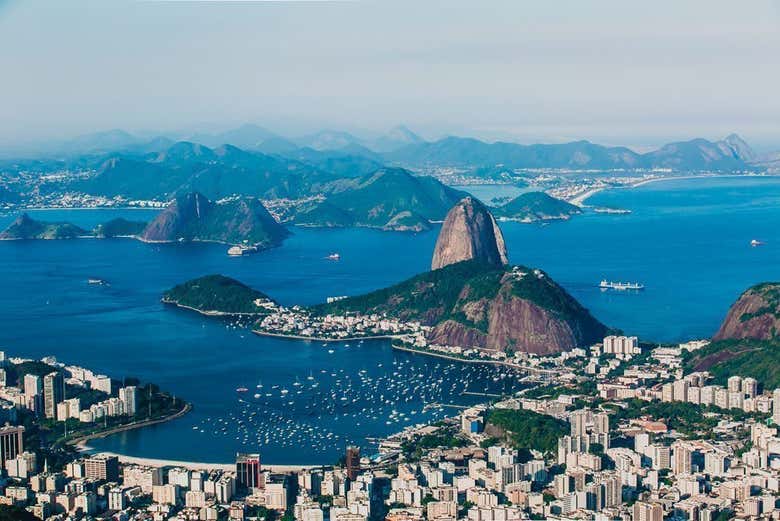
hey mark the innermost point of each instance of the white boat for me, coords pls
(756, 242)
(621, 286)
(333, 256)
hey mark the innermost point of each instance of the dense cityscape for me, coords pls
(620, 433)
(327, 260)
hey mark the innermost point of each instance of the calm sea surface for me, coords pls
(687, 241)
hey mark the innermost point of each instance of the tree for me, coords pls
(15, 513)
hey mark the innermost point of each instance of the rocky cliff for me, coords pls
(472, 304)
(755, 315)
(469, 232)
(192, 217)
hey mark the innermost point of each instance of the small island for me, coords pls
(219, 295)
(534, 207)
(25, 227)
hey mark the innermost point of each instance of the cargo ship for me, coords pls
(621, 286)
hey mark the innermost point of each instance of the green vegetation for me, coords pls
(445, 437)
(545, 293)
(390, 198)
(770, 292)
(15, 513)
(429, 297)
(192, 217)
(759, 359)
(119, 228)
(689, 419)
(527, 429)
(25, 227)
(216, 294)
(444, 294)
(536, 206)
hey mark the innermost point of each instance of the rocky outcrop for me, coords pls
(474, 305)
(25, 227)
(528, 313)
(536, 206)
(755, 315)
(192, 217)
(469, 232)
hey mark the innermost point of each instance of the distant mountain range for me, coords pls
(731, 153)
(344, 190)
(332, 149)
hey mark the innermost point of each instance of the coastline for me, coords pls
(208, 313)
(318, 339)
(529, 370)
(80, 442)
(579, 199)
(194, 465)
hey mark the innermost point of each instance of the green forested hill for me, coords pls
(216, 294)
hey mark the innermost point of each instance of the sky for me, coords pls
(611, 71)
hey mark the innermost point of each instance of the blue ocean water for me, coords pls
(686, 240)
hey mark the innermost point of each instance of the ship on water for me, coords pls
(241, 249)
(620, 286)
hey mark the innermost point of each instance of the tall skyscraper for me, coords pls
(53, 393)
(353, 462)
(32, 385)
(681, 458)
(33, 392)
(11, 442)
(128, 396)
(776, 406)
(578, 421)
(248, 474)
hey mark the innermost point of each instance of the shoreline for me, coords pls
(317, 339)
(579, 200)
(210, 313)
(529, 370)
(195, 465)
(80, 442)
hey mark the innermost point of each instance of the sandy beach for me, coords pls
(579, 199)
(193, 465)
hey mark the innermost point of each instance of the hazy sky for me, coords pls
(612, 71)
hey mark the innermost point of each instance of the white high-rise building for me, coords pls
(128, 396)
(776, 406)
(734, 384)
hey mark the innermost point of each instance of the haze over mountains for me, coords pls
(400, 146)
(333, 178)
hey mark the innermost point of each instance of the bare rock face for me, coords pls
(755, 315)
(469, 232)
(171, 223)
(192, 217)
(509, 321)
